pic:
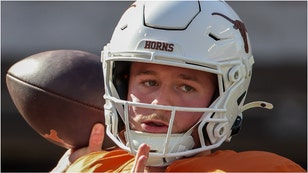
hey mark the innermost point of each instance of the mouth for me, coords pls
(155, 126)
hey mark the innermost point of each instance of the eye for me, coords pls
(187, 88)
(150, 83)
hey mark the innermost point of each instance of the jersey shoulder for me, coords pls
(103, 161)
(231, 161)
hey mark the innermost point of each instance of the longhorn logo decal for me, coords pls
(237, 25)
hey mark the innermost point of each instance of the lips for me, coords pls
(154, 126)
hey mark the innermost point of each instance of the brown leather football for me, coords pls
(60, 94)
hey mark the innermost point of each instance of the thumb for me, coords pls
(95, 143)
(96, 138)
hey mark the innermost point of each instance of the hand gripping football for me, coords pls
(60, 94)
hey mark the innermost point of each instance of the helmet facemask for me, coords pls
(165, 147)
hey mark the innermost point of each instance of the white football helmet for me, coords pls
(201, 35)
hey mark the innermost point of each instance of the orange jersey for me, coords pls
(231, 161)
(103, 161)
(219, 161)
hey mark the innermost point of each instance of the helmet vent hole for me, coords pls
(214, 37)
(124, 27)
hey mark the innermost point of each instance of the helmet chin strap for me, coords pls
(160, 147)
(260, 104)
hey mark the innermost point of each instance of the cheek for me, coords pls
(134, 94)
(196, 101)
(184, 121)
(202, 100)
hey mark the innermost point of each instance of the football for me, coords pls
(59, 93)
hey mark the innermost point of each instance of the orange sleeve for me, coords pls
(231, 161)
(103, 161)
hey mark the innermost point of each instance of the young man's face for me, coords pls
(169, 86)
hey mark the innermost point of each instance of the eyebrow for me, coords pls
(145, 72)
(189, 77)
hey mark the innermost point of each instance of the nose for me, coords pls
(164, 96)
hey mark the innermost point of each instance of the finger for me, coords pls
(143, 150)
(96, 138)
(141, 158)
(140, 164)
